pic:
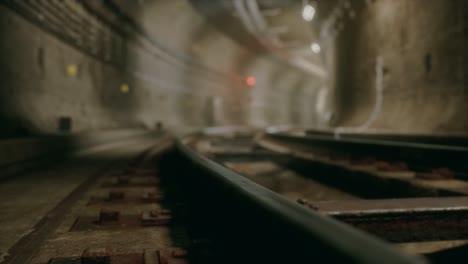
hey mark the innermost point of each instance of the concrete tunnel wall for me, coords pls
(186, 75)
(422, 49)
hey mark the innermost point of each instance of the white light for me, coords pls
(308, 13)
(315, 47)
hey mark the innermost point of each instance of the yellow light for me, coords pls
(72, 70)
(124, 88)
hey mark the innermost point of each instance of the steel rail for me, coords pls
(437, 139)
(417, 153)
(299, 232)
(403, 220)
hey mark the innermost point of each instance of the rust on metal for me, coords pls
(404, 220)
(116, 195)
(436, 174)
(391, 166)
(143, 172)
(107, 216)
(363, 162)
(117, 198)
(305, 202)
(151, 197)
(123, 180)
(302, 201)
(179, 253)
(151, 256)
(109, 256)
(339, 157)
(112, 220)
(172, 255)
(71, 260)
(84, 223)
(166, 256)
(126, 181)
(96, 256)
(156, 217)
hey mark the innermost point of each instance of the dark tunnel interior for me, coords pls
(275, 90)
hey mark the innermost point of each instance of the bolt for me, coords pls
(436, 174)
(123, 180)
(151, 197)
(313, 207)
(96, 256)
(154, 213)
(108, 216)
(165, 212)
(155, 217)
(163, 260)
(306, 203)
(302, 201)
(179, 253)
(116, 195)
(391, 167)
(444, 173)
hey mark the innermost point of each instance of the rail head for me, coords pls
(354, 141)
(342, 239)
(415, 153)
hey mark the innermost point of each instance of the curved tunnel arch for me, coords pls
(188, 70)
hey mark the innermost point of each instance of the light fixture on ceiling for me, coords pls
(308, 12)
(315, 47)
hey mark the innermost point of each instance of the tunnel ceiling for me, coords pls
(271, 26)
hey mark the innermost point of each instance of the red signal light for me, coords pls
(250, 81)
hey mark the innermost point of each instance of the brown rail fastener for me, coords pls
(96, 256)
(156, 217)
(436, 174)
(151, 197)
(123, 180)
(179, 253)
(116, 195)
(165, 256)
(391, 166)
(107, 216)
(305, 202)
(363, 162)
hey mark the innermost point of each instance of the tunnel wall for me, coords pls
(21, 154)
(45, 78)
(136, 65)
(415, 52)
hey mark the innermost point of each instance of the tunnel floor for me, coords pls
(38, 207)
(137, 199)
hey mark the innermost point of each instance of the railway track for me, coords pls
(250, 197)
(400, 191)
